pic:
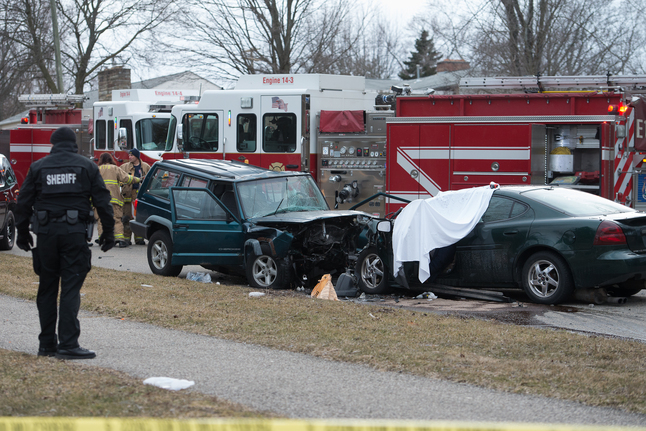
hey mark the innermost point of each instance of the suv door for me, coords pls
(205, 232)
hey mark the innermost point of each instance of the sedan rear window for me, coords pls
(576, 203)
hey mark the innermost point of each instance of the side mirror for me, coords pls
(383, 226)
(180, 142)
(123, 138)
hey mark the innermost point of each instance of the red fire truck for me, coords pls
(142, 114)
(29, 141)
(592, 138)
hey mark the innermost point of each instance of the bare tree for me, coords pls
(94, 33)
(20, 66)
(366, 46)
(548, 37)
(100, 32)
(28, 25)
(262, 36)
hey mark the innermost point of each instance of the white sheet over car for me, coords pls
(427, 224)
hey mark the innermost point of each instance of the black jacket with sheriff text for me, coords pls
(64, 180)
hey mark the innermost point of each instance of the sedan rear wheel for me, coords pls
(160, 254)
(547, 278)
(371, 272)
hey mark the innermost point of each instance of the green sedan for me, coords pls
(546, 240)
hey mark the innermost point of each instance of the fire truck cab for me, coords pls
(267, 120)
(29, 141)
(590, 139)
(143, 114)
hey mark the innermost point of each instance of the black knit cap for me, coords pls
(63, 134)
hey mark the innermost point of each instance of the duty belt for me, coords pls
(62, 219)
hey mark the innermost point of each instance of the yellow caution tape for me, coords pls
(561, 150)
(116, 424)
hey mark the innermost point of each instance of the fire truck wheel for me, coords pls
(160, 253)
(627, 288)
(546, 278)
(371, 272)
(265, 272)
(6, 243)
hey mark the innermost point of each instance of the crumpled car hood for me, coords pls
(306, 217)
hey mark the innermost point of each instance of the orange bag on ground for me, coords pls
(324, 289)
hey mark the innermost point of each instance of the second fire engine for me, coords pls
(589, 139)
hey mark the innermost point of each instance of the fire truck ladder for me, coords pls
(51, 100)
(542, 83)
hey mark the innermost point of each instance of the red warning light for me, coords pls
(617, 109)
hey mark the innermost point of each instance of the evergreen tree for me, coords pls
(425, 55)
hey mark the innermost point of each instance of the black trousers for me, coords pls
(62, 257)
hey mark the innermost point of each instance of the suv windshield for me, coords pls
(279, 195)
(151, 134)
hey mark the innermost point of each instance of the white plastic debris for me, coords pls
(256, 294)
(146, 285)
(199, 276)
(426, 295)
(169, 383)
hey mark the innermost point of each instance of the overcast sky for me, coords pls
(401, 10)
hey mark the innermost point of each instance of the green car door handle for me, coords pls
(510, 232)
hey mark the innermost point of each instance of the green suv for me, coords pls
(226, 216)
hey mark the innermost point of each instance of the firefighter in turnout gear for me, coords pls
(113, 175)
(137, 169)
(57, 197)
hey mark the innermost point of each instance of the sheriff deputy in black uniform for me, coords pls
(55, 197)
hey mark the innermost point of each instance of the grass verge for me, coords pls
(594, 370)
(39, 386)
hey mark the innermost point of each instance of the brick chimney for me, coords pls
(116, 78)
(447, 66)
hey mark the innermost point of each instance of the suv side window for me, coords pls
(197, 204)
(189, 181)
(161, 181)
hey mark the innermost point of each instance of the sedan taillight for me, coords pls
(134, 207)
(609, 233)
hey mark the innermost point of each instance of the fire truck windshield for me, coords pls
(151, 134)
(265, 197)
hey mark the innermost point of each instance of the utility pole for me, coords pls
(57, 47)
